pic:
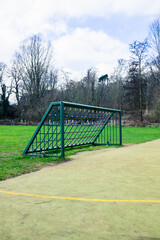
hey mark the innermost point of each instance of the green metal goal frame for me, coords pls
(67, 124)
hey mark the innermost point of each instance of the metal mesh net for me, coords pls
(72, 125)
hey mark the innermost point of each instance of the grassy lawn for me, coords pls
(13, 140)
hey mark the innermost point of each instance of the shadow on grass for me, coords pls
(88, 147)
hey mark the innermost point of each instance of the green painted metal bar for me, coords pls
(90, 107)
(107, 133)
(72, 127)
(113, 128)
(44, 135)
(110, 132)
(103, 127)
(116, 128)
(62, 127)
(84, 133)
(38, 128)
(52, 127)
(40, 155)
(53, 132)
(120, 127)
(47, 133)
(56, 133)
(104, 134)
(97, 128)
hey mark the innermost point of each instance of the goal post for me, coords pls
(67, 124)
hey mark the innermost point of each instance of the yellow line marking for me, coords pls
(78, 199)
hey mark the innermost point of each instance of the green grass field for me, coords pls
(13, 140)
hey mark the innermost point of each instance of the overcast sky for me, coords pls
(84, 33)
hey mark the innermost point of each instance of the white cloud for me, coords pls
(85, 48)
(21, 18)
(136, 7)
(80, 8)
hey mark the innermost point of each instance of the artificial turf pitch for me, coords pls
(127, 173)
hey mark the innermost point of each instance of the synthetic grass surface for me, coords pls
(130, 172)
(13, 140)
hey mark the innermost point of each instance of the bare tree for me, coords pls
(90, 84)
(154, 41)
(15, 72)
(117, 79)
(5, 92)
(2, 69)
(154, 36)
(138, 51)
(52, 79)
(35, 59)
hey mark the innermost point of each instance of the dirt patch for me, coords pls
(9, 154)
